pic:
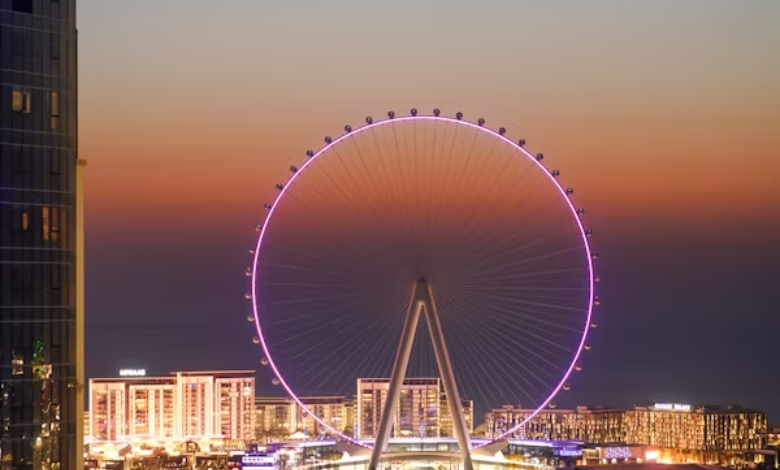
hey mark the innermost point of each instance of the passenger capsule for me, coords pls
(328, 140)
(578, 367)
(391, 115)
(596, 300)
(264, 361)
(293, 168)
(309, 153)
(521, 142)
(436, 112)
(569, 191)
(502, 131)
(369, 120)
(581, 210)
(248, 272)
(595, 256)
(250, 318)
(248, 296)
(279, 187)
(267, 205)
(594, 325)
(540, 156)
(552, 405)
(589, 232)
(556, 173)
(598, 279)
(252, 251)
(275, 381)
(587, 347)
(414, 111)
(258, 227)
(459, 115)
(481, 122)
(566, 387)
(256, 340)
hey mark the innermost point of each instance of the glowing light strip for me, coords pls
(374, 124)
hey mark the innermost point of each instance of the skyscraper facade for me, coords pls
(41, 372)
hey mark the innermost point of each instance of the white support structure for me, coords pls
(422, 303)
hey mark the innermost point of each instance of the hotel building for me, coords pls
(592, 424)
(417, 414)
(189, 404)
(711, 429)
(41, 268)
(663, 426)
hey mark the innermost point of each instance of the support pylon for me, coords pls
(422, 303)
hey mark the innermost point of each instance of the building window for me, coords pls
(22, 6)
(21, 101)
(55, 109)
(25, 221)
(46, 226)
(55, 224)
(17, 43)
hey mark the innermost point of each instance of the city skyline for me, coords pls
(667, 135)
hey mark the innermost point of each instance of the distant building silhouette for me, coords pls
(41, 408)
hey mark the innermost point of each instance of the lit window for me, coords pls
(25, 221)
(46, 227)
(55, 109)
(55, 224)
(21, 101)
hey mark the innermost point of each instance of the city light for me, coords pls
(132, 372)
(672, 407)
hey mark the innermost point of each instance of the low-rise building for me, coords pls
(665, 426)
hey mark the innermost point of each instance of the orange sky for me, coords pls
(653, 113)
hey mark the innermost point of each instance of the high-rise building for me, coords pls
(189, 404)
(417, 413)
(41, 366)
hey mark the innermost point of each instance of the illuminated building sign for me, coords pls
(617, 453)
(132, 372)
(672, 407)
(259, 461)
(568, 452)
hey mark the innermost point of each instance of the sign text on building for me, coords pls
(132, 372)
(672, 407)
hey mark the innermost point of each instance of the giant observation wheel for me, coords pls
(429, 211)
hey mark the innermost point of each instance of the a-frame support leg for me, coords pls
(422, 303)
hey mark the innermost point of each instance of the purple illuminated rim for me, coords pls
(374, 124)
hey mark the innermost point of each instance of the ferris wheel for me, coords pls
(425, 246)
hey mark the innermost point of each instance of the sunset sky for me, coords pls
(664, 116)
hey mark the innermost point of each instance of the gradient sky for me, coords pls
(664, 115)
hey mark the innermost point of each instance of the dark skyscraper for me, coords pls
(41, 315)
